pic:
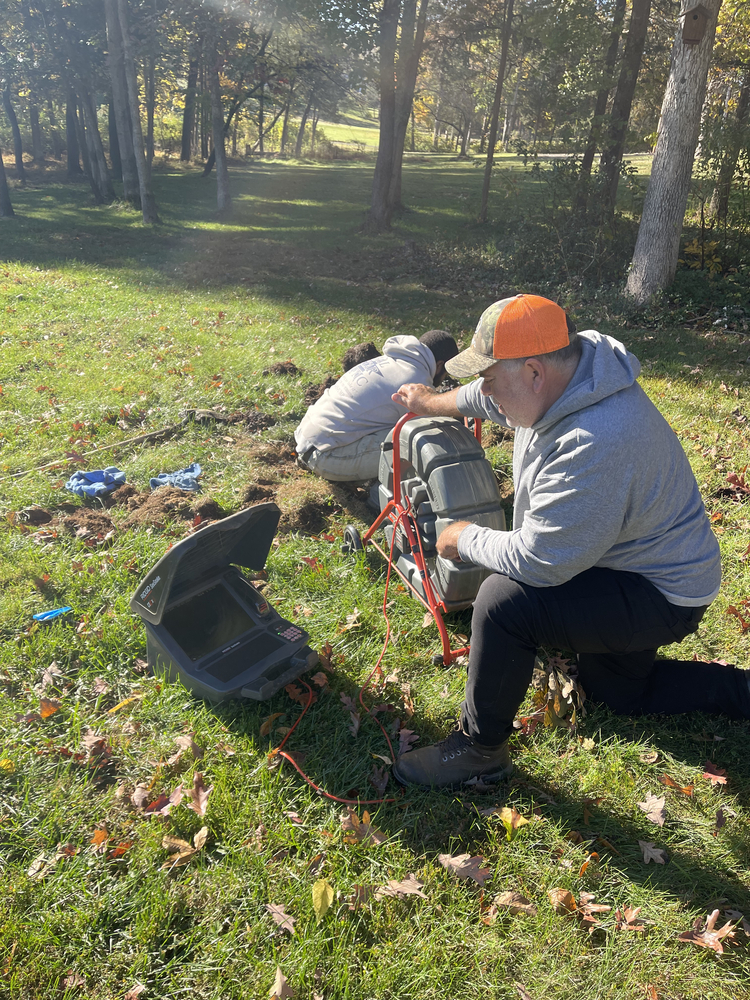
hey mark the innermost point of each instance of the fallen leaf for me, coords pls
(315, 865)
(514, 903)
(649, 756)
(163, 804)
(511, 820)
(314, 563)
(352, 621)
(325, 654)
(716, 775)
(592, 857)
(720, 821)
(361, 831)
(654, 808)
(464, 866)
(406, 737)
(563, 901)
(73, 980)
(99, 841)
(187, 742)
(127, 702)
(322, 898)
(134, 992)
(320, 679)
(588, 910)
(522, 992)
(410, 886)
(407, 700)
(198, 795)
(267, 725)
(360, 895)
(627, 919)
(429, 619)
(379, 779)
(281, 917)
(671, 783)
(708, 937)
(653, 853)
(48, 706)
(281, 990)
(303, 698)
(117, 852)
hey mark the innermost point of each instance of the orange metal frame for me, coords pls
(398, 510)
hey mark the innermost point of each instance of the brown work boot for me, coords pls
(453, 761)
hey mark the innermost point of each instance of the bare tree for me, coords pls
(6, 208)
(223, 196)
(495, 113)
(116, 60)
(622, 102)
(148, 203)
(657, 247)
(188, 117)
(597, 120)
(10, 114)
(720, 198)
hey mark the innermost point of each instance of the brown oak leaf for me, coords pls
(671, 783)
(653, 853)
(281, 917)
(361, 831)
(627, 919)
(654, 808)
(379, 779)
(410, 886)
(514, 902)
(707, 936)
(563, 901)
(464, 866)
(281, 990)
(716, 775)
(198, 795)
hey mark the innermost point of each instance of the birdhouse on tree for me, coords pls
(694, 24)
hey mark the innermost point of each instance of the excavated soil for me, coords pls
(258, 492)
(314, 392)
(86, 521)
(169, 502)
(282, 368)
(253, 420)
(305, 504)
(275, 453)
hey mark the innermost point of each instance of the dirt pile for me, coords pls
(258, 492)
(282, 368)
(169, 503)
(253, 420)
(314, 392)
(86, 522)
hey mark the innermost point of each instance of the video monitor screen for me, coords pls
(207, 622)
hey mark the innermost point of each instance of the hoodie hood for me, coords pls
(606, 367)
(408, 349)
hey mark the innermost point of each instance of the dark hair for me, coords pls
(440, 342)
(359, 353)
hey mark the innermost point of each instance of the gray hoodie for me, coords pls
(360, 402)
(601, 480)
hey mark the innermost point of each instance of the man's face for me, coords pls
(511, 386)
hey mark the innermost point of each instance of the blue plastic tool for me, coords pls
(48, 616)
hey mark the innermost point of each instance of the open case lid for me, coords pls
(243, 539)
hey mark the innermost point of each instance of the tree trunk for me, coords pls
(10, 114)
(6, 208)
(223, 197)
(204, 117)
(116, 61)
(37, 145)
(495, 114)
(54, 131)
(82, 147)
(657, 247)
(188, 115)
(584, 176)
(149, 83)
(148, 203)
(303, 122)
(72, 152)
(114, 143)
(285, 126)
(720, 198)
(103, 189)
(614, 145)
(379, 216)
(261, 111)
(410, 51)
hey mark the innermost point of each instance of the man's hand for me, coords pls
(447, 543)
(425, 402)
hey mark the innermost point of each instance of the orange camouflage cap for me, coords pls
(517, 327)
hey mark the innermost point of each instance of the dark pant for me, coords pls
(615, 623)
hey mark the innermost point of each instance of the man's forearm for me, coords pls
(424, 401)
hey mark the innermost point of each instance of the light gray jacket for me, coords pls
(600, 480)
(360, 402)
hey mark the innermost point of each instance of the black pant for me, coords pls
(615, 623)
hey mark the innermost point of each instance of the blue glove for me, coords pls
(183, 479)
(96, 483)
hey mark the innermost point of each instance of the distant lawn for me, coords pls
(109, 330)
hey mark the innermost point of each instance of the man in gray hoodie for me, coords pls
(611, 553)
(339, 437)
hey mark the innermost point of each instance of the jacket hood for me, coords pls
(408, 348)
(606, 367)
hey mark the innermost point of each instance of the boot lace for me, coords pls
(454, 745)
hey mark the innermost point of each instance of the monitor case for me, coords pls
(270, 653)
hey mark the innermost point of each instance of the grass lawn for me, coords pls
(111, 330)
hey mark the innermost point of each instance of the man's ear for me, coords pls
(537, 373)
